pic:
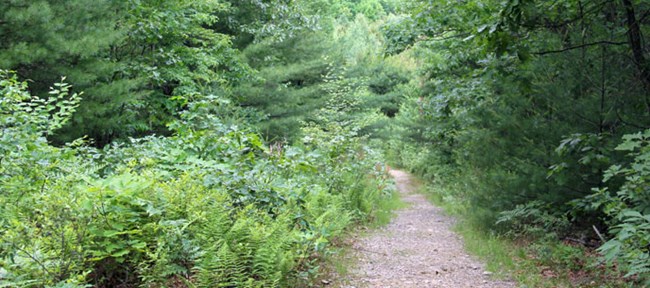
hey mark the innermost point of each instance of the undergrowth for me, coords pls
(386, 210)
(530, 260)
(210, 206)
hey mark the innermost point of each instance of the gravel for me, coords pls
(417, 249)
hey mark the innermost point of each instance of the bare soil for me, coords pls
(417, 249)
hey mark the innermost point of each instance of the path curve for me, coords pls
(417, 249)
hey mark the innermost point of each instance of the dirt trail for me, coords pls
(417, 249)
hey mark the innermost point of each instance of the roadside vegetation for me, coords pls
(530, 120)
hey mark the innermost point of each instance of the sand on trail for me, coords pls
(417, 249)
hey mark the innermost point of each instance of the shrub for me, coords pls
(209, 206)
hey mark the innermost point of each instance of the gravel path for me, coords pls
(417, 249)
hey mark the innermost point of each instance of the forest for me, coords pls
(233, 143)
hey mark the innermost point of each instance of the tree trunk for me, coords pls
(634, 38)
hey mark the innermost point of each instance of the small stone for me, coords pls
(326, 282)
(487, 273)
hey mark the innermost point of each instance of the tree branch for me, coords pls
(620, 118)
(548, 24)
(604, 42)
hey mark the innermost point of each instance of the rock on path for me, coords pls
(417, 249)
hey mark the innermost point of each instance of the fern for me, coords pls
(221, 268)
(270, 256)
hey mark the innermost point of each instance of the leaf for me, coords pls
(120, 253)
(139, 245)
(631, 214)
(611, 172)
(628, 146)
(153, 211)
(110, 233)
(112, 247)
(256, 141)
(610, 249)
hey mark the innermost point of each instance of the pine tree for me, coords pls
(129, 58)
(44, 40)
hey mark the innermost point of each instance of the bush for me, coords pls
(627, 207)
(210, 206)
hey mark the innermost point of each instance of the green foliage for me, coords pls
(210, 206)
(289, 88)
(627, 207)
(517, 105)
(28, 163)
(138, 61)
(533, 220)
(400, 32)
(271, 20)
(171, 49)
(523, 102)
(341, 66)
(371, 9)
(49, 44)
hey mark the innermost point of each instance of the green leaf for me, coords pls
(139, 245)
(631, 214)
(628, 146)
(120, 253)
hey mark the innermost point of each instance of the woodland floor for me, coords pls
(417, 249)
